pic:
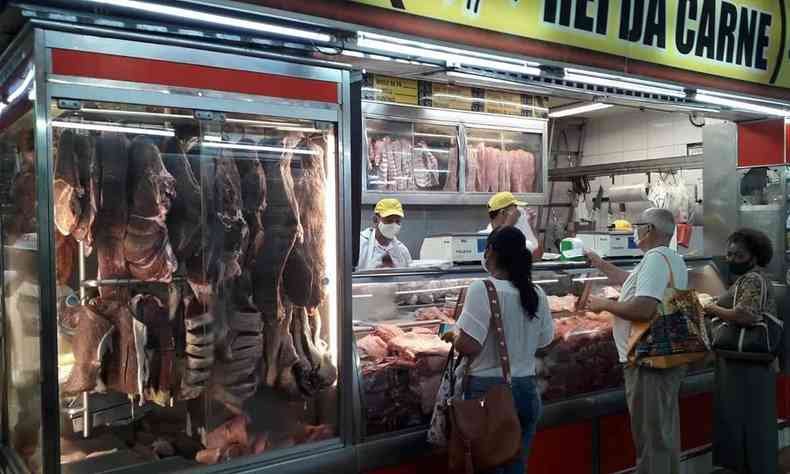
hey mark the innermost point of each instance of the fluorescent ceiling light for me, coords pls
(475, 77)
(372, 89)
(740, 105)
(743, 98)
(237, 146)
(353, 54)
(216, 19)
(488, 101)
(135, 113)
(448, 55)
(22, 87)
(113, 128)
(577, 109)
(605, 80)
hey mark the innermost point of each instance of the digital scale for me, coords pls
(610, 244)
(456, 248)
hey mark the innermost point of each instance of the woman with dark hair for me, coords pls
(744, 431)
(527, 325)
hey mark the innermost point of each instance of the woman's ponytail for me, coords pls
(513, 256)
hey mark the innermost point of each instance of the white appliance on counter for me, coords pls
(610, 244)
(457, 248)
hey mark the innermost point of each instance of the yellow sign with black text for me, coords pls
(393, 89)
(736, 39)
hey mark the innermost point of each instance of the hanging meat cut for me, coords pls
(229, 232)
(149, 255)
(121, 373)
(67, 190)
(314, 371)
(474, 168)
(426, 168)
(522, 172)
(183, 220)
(91, 336)
(253, 193)
(160, 348)
(451, 183)
(112, 150)
(199, 351)
(283, 229)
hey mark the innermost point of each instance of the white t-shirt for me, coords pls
(371, 251)
(523, 335)
(650, 278)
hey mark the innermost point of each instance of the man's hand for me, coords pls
(594, 259)
(596, 304)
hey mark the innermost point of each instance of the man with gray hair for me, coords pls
(652, 394)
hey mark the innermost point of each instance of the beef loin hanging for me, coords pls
(121, 371)
(146, 244)
(160, 347)
(253, 193)
(89, 174)
(91, 335)
(67, 189)
(229, 229)
(112, 150)
(183, 220)
(283, 229)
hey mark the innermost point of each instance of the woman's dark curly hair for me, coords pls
(755, 242)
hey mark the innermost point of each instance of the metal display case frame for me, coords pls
(461, 120)
(333, 454)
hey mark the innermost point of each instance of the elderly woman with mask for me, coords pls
(744, 428)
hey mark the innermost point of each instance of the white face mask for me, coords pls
(389, 231)
(483, 263)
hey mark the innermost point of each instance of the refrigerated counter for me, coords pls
(397, 314)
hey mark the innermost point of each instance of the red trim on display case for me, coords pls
(617, 446)
(761, 143)
(565, 448)
(696, 421)
(787, 141)
(154, 71)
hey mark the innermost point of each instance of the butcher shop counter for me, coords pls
(397, 314)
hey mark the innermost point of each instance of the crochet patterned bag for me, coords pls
(675, 336)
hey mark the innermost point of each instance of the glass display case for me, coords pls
(397, 318)
(195, 236)
(423, 155)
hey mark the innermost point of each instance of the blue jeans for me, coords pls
(528, 406)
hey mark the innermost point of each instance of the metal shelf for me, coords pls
(659, 165)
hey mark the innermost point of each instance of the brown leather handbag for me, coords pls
(486, 433)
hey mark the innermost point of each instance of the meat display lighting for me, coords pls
(617, 82)
(113, 128)
(710, 98)
(577, 109)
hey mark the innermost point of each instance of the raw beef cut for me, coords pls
(147, 249)
(388, 332)
(23, 193)
(412, 344)
(372, 347)
(67, 189)
(121, 373)
(228, 441)
(474, 168)
(229, 232)
(559, 304)
(426, 167)
(112, 151)
(183, 220)
(199, 351)
(314, 371)
(435, 313)
(523, 171)
(489, 164)
(65, 256)
(160, 347)
(89, 174)
(253, 193)
(404, 148)
(505, 170)
(91, 335)
(283, 229)
(451, 183)
(610, 292)
(306, 266)
(281, 372)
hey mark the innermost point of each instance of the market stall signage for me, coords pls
(450, 96)
(737, 39)
(393, 89)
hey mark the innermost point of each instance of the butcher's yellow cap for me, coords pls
(389, 207)
(502, 200)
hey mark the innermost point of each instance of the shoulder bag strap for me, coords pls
(459, 304)
(671, 276)
(499, 332)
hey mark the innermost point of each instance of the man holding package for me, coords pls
(651, 394)
(505, 209)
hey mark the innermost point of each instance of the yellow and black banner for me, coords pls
(736, 39)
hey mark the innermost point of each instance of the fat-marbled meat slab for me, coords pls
(67, 187)
(253, 193)
(112, 150)
(146, 245)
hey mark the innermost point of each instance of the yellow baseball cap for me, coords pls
(502, 200)
(389, 207)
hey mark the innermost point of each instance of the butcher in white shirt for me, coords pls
(379, 246)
